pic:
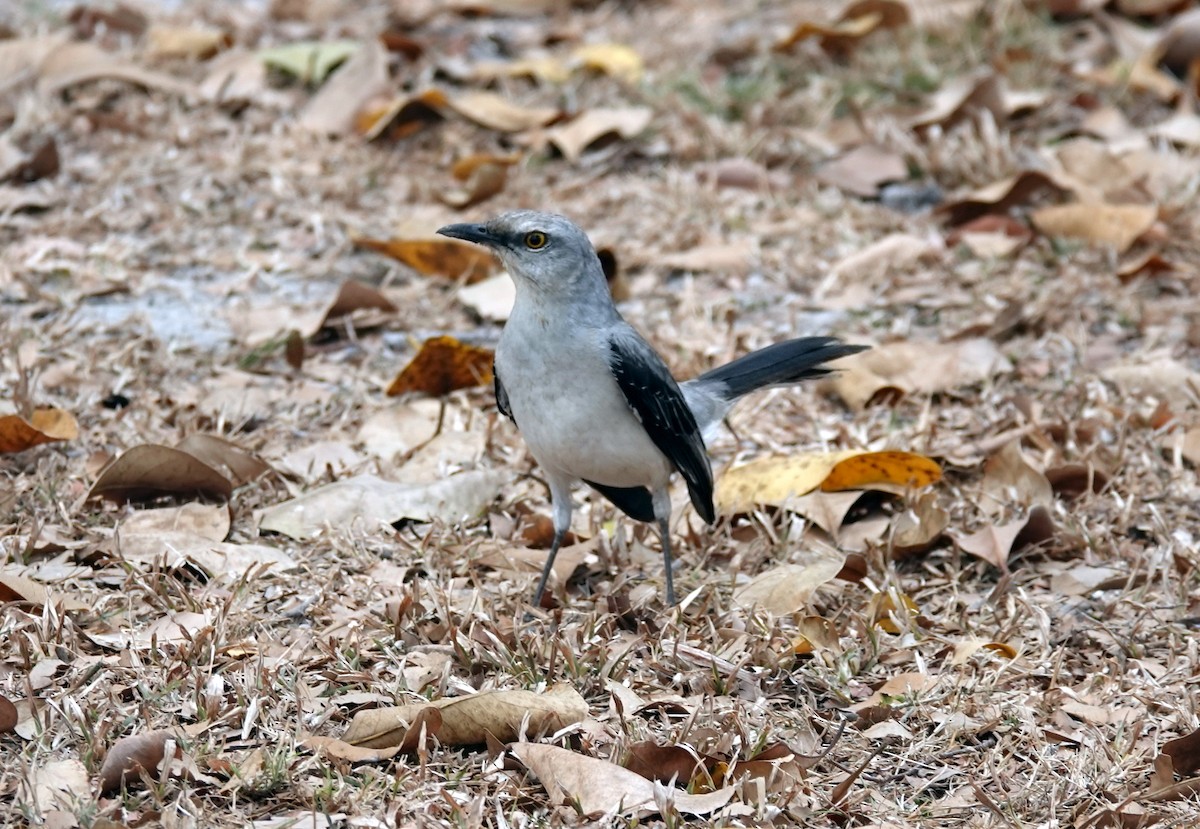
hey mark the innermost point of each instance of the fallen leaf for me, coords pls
(195, 42)
(774, 481)
(1114, 225)
(583, 131)
(1184, 752)
(341, 750)
(316, 460)
(734, 257)
(44, 426)
(1071, 481)
(208, 521)
(363, 77)
(219, 559)
(309, 61)
(893, 252)
(443, 365)
(435, 257)
(492, 299)
(470, 719)
(887, 606)
(401, 117)
(961, 99)
(369, 503)
(493, 111)
(825, 509)
(894, 369)
(863, 170)
(597, 787)
(57, 786)
(132, 756)
(815, 633)
(1164, 378)
(8, 715)
(75, 63)
(235, 78)
(993, 543)
(483, 176)
(530, 562)
(613, 59)
(790, 587)
(544, 69)
(1008, 479)
(235, 463)
(150, 471)
(964, 650)
(1001, 196)
(896, 688)
(671, 765)
(837, 38)
(919, 527)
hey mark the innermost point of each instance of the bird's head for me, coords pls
(543, 250)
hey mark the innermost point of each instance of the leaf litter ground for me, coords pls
(1011, 645)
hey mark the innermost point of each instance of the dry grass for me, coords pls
(173, 229)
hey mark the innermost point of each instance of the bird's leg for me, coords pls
(560, 497)
(662, 516)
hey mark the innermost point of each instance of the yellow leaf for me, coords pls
(43, 426)
(774, 481)
(884, 608)
(1117, 225)
(621, 62)
(434, 257)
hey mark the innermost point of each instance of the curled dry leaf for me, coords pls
(469, 720)
(999, 197)
(964, 650)
(59, 788)
(789, 588)
(483, 176)
(207, 521)
(1115, 225)
(491, 299)
(43, 426)
(961, 99)
(443, 365)
(899, 368)
(838, 38)
(815, 633)
(1184, 752)
(598, 787)
(152, 471)
(893, 690)
(919, 527)
(435, 257)
(996, 542)
(1008, 478)
(401, 117)
(544, 69)
(495, 112)
(580, 133)
(775, 481)
(131, 757)
(732, 257)
(530, 562)
(339, 750)
(195, 42)
(668, 764)
(235, 463)
(369, 503)
(887, 607)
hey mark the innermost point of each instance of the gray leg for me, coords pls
(662, 516)
(560, 496)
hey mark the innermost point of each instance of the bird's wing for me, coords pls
(655, 398)
(501, 394)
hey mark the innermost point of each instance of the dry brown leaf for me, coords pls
(613, 59)
(469, 720)
(152, 471)
(993, 543)
(666, 764)
(131, 757)
(1003, 195)
(399, 118)
(863, 170)
(837, 38)
(208, 521)
(581, 132)
(339, 750)
(734, 257)
(597, 787)
(483, 176)
(219, 559)
(775, 481)
(1008, 479)
(962, 99)
(8, 715)
(894, 689)
(894, 369)
(1164, 378)
(55, 790)
(886, 607)
(964, 650)
(519, 560)
(444, 364)
(495, 112)
(76, 63)
(544, 69)
(825, 509)
(1184, 752)
(236, 77)
(44, 426)
(789, 588)
(1150, 263)
(1114, 225)
(919, 527)
(368, 503)
(195, 42)
(435, 257)
(238, 465)
(815, 633)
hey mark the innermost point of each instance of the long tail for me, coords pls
(779, 364)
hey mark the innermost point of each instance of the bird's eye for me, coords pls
(535, 240)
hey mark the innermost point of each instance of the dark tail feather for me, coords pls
(779, 364)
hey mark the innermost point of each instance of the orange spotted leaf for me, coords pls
(442, 365)
(870, 469)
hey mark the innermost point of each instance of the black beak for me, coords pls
(469, 233)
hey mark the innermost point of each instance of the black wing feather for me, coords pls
(634, 501)
(501, 394)
(655, 398)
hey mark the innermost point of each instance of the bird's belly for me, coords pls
(576, 421)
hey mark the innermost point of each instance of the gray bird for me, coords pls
(594, 402)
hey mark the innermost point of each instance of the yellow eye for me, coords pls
(535, 240)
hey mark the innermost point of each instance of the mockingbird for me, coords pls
(592, 399)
